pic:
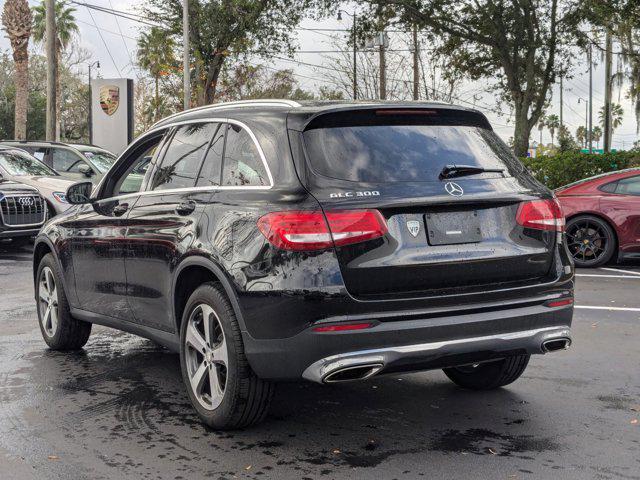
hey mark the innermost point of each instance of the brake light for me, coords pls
(313, 230)
(541, 215)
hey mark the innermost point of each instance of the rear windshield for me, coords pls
(405, 153)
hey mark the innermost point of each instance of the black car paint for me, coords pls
(123, 271)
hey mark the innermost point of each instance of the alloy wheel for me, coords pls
(206, 356)
(588, 241)
(48, 296)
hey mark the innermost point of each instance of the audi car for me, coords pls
(329, 242)
(22, 212)
(603, 217)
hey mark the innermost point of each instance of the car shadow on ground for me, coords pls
(122, 389)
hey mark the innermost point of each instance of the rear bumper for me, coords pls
(429, 342)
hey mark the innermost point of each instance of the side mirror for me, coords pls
(85, 170)
(79, 193)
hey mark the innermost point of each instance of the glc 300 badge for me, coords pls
(364, 193)
(453, 189)
(414, 227)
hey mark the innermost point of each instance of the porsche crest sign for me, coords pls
(109, 98)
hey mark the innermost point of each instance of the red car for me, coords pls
(603, 217)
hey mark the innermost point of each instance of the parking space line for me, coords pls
(617, 309)
(606, 276)
(620, 270)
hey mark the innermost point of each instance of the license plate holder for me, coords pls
(452, 228)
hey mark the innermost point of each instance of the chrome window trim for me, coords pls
(198, 189)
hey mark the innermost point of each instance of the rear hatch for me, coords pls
(449, 229)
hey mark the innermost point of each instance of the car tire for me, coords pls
(59, 329)
(490, 375)
(221, 385)
(586, 228)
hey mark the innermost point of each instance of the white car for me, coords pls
(20, 166)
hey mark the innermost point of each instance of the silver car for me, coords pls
(20, 166)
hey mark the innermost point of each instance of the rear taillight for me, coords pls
(541, 215)
(313, 230)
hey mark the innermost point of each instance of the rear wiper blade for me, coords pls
(452, 171)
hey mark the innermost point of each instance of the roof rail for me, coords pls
(236, 104)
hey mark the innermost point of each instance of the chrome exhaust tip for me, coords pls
(351, 374)
(555, 344)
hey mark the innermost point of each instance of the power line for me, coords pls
(105, 30)
(122, 36)
(105, 43)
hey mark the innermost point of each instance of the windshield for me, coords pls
(405, 153)
(22, 164)
(102, 159)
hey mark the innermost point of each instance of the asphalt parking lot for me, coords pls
(119, 410)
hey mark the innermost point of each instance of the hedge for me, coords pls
(567, 167)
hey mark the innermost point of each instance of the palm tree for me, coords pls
(66, 28)
(541, 127)
(16, 19)
(581, 136)
(552, 122)
(596, 135)
(156, 54)
(617, 115)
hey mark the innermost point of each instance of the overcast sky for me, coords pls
(116, 46)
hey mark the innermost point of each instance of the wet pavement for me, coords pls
(118, 408)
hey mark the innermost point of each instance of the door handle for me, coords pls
(121, 209)
(186, 208)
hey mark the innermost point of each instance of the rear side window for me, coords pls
(628, 186)
(212, 166)
(183, 157)
(242, 161)
(411, 152)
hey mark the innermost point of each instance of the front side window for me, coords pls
(242, 161)
(21, 164)
(183, 157)
(66, 161)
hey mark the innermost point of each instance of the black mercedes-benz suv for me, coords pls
(273, 240)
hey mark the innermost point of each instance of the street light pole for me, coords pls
(186, 73)
(90, 122)
(589, 131)
(52, 69)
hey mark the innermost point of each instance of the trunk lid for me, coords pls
(446, 236)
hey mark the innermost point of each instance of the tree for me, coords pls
(566, 142)
(596, 135)
(552, 122)
(16, 20)
(521, 46)
(66, 28)
(220, 29)
(541, 125)
(156, 54)
(581, 136)
(617, 115)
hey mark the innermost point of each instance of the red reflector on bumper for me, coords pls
(342, 328)
(559, 303)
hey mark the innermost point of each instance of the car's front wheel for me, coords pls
(591, 241)
(59, 329)
(222, 388)
(490, 375)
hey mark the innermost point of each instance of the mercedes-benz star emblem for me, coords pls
(453, 189)
(414, 227)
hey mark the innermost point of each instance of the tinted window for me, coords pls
(629, 186)
(242, 162)
(404, 153)
(17, 163)
(609, 187)
(211, 168)
(65, 160)
(183, 157)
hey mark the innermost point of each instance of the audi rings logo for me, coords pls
(26, 201)
(453, 189)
